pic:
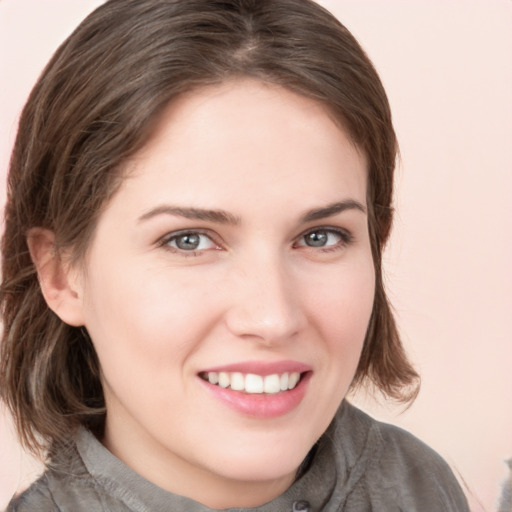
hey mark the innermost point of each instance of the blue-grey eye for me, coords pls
(322, 238)
(317, 238)
(188, 242)
(191, 242)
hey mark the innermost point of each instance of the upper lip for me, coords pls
(261, 367)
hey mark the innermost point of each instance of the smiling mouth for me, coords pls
(252, 383)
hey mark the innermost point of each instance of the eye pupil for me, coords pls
(188, 242)
(316, 238)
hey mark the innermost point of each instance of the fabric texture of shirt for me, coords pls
(359, 465)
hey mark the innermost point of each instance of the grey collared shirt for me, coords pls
(359, 465)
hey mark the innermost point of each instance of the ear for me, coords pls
(59, 282)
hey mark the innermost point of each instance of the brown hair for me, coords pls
(94, 106)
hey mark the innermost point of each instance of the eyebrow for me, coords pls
(223, 217)
(218, 216)
(332, 209)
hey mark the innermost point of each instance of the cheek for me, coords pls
(344, 303)
(147, 318)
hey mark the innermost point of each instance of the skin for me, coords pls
(254, 290)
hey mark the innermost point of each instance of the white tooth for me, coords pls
(213, 377)
(223, 379)
(253, 383)
(237, 381)
(271, 384)
(294, 378)
(284, 381)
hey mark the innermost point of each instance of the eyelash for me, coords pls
(345, 239)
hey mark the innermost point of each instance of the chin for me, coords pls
(260, 462)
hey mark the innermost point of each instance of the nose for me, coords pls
(265, 303)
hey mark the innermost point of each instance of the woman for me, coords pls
(199, 196)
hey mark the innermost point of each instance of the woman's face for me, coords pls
(234, 259)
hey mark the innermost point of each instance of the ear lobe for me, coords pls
(58, 281)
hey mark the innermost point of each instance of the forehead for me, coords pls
(243, 138)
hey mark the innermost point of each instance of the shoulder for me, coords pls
(424, 469)
(402, 469)
(66, 486)
(37, 497)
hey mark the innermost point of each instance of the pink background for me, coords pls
(447, 67)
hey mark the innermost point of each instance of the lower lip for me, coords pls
(261, 405)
